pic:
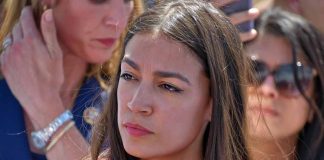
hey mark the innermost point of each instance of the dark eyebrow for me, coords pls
(172, 75)
(131, 63)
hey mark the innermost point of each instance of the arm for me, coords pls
(33, 68)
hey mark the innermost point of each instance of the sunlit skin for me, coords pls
(163, 100)
(89, 29)
(285, 116)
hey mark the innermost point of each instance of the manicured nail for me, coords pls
(253, 11)
(48, 16)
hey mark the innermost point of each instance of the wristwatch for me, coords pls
(41, 137)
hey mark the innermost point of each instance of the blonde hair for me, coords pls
(11, 13)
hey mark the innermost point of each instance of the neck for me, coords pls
(272, 149)
(74, 72)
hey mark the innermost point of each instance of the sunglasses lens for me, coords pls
(285, 81)
(260, 71)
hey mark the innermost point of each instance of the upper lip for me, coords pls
(265, 109)
(137, 126)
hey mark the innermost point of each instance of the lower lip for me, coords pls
(137, 132)
(107, 42)
(270, 112)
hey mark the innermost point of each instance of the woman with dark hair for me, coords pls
(178, 93)
(286, 105)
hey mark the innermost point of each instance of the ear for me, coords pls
(294, 5)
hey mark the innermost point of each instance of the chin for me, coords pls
(99, 58)
(138, 150)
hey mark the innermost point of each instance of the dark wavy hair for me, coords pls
(216, 44)
(303, 37)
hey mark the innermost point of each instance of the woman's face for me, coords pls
(268, 109)
(163, 99)
(89, 29)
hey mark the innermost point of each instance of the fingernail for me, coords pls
(253, 11)
(48, 16)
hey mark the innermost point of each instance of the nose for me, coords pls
(117, 15)
(268, 88)
(141, 101)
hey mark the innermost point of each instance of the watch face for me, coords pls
(38, 142)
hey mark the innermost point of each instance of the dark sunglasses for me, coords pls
(284, 76)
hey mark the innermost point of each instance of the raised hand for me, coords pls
(240, 17)
(33, 67)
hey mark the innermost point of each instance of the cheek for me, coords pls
(184, 120)
(293, 115)
(124, 95)
(71, 29)
(297, 111)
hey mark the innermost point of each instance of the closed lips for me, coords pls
(265, 110)
(136, 130)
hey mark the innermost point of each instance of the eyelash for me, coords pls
(170, 88)
(127, 76)
(165, 86)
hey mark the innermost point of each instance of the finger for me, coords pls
(28, 23)
(17, 32)
(238, 18)
(3, 60)
(247, 36)
(49, 34)
(7, 42)
(221, 3)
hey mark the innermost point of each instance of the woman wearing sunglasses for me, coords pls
(285, 106)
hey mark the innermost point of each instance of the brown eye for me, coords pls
(170, 88)
(127, 76)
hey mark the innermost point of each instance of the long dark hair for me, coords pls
(216, 44)
(303, 37)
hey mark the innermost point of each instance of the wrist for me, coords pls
(41, 114)
(40, 138)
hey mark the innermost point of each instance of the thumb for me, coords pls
(49, 34)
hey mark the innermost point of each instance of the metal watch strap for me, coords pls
(41, 137)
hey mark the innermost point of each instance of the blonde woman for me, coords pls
(54, 76)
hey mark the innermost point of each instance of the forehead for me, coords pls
(160, 52)
(273, 50)
(269, 48)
